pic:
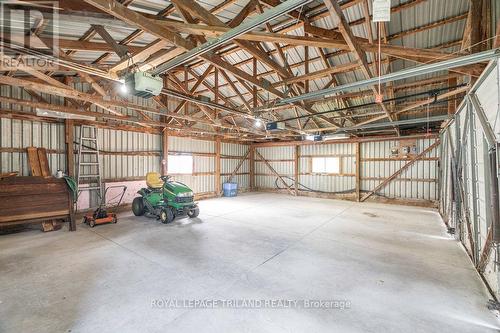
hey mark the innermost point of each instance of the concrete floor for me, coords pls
(396, 266)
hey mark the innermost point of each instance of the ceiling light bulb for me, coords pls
(310, 137)
(123, 88)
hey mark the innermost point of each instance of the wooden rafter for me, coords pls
(249, 86)
(345, 29)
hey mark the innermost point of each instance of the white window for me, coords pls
(326, 165)
(180, 164)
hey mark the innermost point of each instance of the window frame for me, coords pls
(180, 173)
(339, 159)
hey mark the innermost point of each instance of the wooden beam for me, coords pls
(164, 152)
(244, 12)
(252, 167)
(485, 253)
(204, 15)
(358, 171)
(340, 20)
(318, 74)
(420, 103)
(86, 97)
(68, 135)
(429, 26)
(143, 54)
(296, 169)
(496, 42)
(120, 50)
(217, 166)
(132, 17)
(398, 172)
(452, 104)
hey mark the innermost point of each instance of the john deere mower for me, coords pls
(165, 199)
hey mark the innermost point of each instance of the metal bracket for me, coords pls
(493, 305)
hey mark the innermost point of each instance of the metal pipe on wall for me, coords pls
(495, 211)
(493, 167)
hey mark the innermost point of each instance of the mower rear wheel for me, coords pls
(194, 212)
(138, 206)
(166, 215)
(92, 223)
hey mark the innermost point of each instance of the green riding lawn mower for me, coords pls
(165, 199)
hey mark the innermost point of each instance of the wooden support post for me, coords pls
(164, 152)
(296, 169)
(452, 104)
(403, 168)
(485, 254)
(252, 167)
(186, 87)
(358, 171)
(496, 41)
(216, 90)
(70, 157)
(478, 23)
(306, 68)
(254, 90)
(217, 167)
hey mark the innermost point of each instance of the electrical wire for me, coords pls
(308, 189)
(374, 103)
(305, 188)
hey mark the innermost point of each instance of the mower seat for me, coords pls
(153, 180)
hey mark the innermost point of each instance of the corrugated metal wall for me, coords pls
(281, 160)
(203, 178)
(344, 181)
(418, 182)
(466, 203)
(16, 135)
(126, 156)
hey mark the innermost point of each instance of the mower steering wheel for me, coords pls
(165, 178)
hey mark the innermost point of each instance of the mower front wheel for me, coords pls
(166, 215)
(194, 212)
(138, 206)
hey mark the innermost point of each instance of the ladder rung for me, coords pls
(93, 180)
(88, 188)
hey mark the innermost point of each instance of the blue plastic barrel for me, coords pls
(230, 189)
